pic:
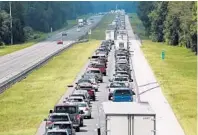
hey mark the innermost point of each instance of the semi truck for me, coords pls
(129, 118)
(80, 22)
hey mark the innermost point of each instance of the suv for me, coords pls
(123, 95)
(54, 117)
(64, 125)
(74, 113)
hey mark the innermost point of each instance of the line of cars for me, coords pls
(120, 87)
(67, 118)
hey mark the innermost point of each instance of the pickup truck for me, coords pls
(129, 118)
(123, 95)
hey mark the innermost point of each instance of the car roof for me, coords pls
(95, 69)
(123, 89)
(59, 114)
(72, 97)
(62, 122)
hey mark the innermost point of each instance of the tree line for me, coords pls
(169, 21)
(38, 16)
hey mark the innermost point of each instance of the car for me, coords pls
(60, 42)
(93, 80)
(97, 72)
(54, 117)
(57, 132)
(89, 89)
(74, 113)
(83, 94)
(90, 81)
(100, 66)
(86, 109)
(74, 98)
(64, 125)
(123, 95)
(91, 76)
(64, 34)
(114, 85)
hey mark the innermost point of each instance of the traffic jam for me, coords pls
(68, 117)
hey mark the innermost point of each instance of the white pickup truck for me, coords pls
(129, 118)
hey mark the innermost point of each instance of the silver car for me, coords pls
(64, 125)
(57, 132)
(86, 109)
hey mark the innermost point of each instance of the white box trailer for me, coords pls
(129, 118)
(121, 44)
(110, 34)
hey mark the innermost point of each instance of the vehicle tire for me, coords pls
(89, 117)
(94, 99)
(81, 123)
(109, 98)
(77, 129)
(105, 73)
(101, 81)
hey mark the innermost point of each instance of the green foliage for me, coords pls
(173, 22)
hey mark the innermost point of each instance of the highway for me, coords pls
(17, 63)
(98, 118)
(146, 87)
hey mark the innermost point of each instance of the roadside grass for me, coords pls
(26, 104)
(177, 76)
(137, 26)
(99, 32)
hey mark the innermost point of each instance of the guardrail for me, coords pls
(22, 75)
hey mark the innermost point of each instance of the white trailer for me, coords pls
(110, 34)
(129, 118)
(121, 44)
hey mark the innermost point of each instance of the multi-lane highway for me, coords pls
(17, 63)
(144, 79)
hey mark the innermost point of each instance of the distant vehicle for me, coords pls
(64, 125)
(60, 42)
(123, 95)
(97, 72)
(90, 81)
(64, 34)
(80, 22)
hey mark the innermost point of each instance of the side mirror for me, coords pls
(45, 119)
(50, 111)
(70, 86)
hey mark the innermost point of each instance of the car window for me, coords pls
(62, 126)
(93, 71)
(121, 79)
(117, 85)
(66, 109)
(82, 105)
(122, 92)
(59, 118)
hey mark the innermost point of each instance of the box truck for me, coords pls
(129, 118)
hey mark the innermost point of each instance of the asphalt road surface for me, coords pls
(15, 63)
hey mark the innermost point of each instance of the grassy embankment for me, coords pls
(177, 76)
(42, 36)
(26, 104)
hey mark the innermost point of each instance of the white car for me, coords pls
(75, 99)
(78, 29)
(86, 109)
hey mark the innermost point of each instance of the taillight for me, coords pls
(49, 122)
(78, 117)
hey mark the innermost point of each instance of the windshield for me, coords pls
(82, 105)
(84, 80)
(62, 126)
(57, 133)
(121, 79)
(59, 118)
(66, 109)
(93, 71)
(117, 85)
(122, 92)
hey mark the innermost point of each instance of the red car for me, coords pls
(60, 42)
(100, 66)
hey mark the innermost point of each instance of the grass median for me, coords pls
(27, 103)
(177, 76)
